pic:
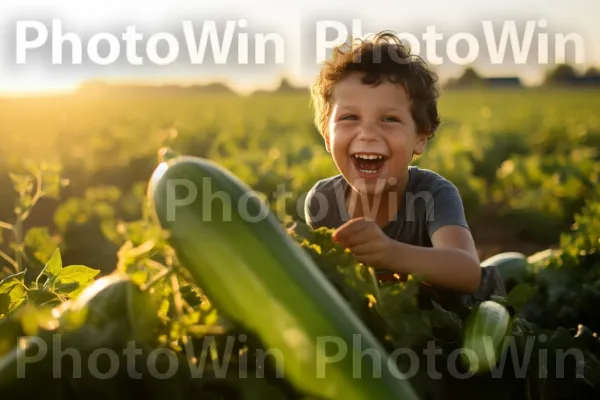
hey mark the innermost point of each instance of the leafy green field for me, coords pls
(520, 159)
(527, 164)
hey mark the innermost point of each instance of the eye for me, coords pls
(391, 118)
(347, 117)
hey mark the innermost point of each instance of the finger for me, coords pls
(349, 228)
(363, 249)
(354, 240)
(365, 235)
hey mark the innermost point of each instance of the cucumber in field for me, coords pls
(512, 266)
(485, 336)
(109, 313)
(252, 270)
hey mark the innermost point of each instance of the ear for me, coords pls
(421, 143)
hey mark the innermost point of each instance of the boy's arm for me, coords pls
(451, 263)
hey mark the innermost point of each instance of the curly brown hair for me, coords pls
(383, 57)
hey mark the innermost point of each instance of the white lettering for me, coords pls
(172, 46)
(323, 44)
(509, 29)
(22, 44)
(114, 49)
(209, 31)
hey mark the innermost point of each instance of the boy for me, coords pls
(375, 107)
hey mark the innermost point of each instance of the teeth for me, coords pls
(368, 156)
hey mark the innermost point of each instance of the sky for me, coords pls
(299, 34)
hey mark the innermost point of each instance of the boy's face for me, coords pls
(372, 135)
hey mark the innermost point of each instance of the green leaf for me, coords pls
(14, 287)
(10, 281)
(77, 273)
(66, 288)
(51, 270)
(54, 265)
(520, 295)
(17, 296)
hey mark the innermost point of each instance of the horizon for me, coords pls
(272, 87)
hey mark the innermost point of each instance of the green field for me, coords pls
(516, 156)
(526, 162)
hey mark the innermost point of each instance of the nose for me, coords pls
(368, 132)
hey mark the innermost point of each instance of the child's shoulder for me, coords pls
(426, 180)
(327, 185)
(322, 202)
(434, 201)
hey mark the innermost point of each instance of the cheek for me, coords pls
(401, 145)
(339, 137)
(397, 140)
(341, 129)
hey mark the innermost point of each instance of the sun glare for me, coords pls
(30, 87)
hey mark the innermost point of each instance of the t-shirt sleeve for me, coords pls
(313, 215)
(446, 209)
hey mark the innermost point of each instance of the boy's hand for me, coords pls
(366, 241)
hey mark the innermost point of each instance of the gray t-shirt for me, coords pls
(431, 201)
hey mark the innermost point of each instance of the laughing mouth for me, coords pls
(368, 163)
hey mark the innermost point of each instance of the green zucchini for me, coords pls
(112, 310)
(109, 313)
(250, 268)
(485, 336)
(510, 265)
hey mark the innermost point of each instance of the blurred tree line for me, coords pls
(560, 75)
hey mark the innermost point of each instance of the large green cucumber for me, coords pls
(485, 336)
(251, 269)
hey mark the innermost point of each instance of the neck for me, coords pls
(381, 208)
